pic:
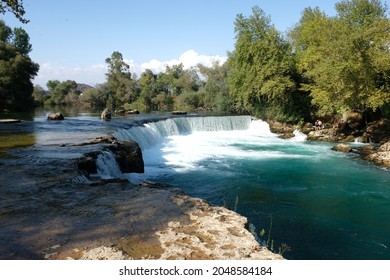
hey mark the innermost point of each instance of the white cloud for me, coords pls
(95, 74)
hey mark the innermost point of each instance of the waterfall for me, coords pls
(299, 136)
(151, 134)
(107, 166)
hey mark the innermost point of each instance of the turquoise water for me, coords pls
(320, 203)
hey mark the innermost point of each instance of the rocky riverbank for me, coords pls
(349, 129)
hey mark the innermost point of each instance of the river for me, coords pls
(297, 195)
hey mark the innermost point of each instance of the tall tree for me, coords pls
(15, 7)
(261, 65)
(216, 87)
(119, 81)
(16, 69)
(345, 60)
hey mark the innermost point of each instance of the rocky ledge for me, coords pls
(378, 155)
(188, 229)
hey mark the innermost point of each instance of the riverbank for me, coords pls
(375, 136)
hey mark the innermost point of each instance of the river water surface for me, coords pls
(319, 203)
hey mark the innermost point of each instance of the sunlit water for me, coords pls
(320, 203)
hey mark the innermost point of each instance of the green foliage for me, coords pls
(216, 88)
(16, 69)
(345, 60)
(62, 92)
(122, 86)
(95, 97)
(15, 7)
(261, 68)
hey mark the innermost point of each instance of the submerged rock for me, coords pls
(55, 117)
(106, 114)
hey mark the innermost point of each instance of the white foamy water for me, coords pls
(188, 144)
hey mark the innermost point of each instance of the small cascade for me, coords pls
(299, 136)
(151, 134)
(107, 166)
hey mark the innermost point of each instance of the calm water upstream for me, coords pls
(320, 203)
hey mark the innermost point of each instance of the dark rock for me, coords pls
(366, 150)
(378, 131)
(55, 117)
(87, 164)
(120, 112)
(342, 148)
(129, 156)
(133, 112)
(106, 114)
(178, 113)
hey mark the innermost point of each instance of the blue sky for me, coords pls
(72, 38)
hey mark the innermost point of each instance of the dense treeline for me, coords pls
(324, 66)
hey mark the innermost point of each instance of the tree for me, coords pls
(15, 7)
(62, 92)
(261, 66)
(16, 69)
(123, 88)
(216, 88)
(345, 60)
(148, 88)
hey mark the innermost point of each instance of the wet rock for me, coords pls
(342, 148)
(55, 116)
(129, 156)
(120, 112)
(286, 131)
(366, 150)
(87, 164)
(106, 114)
(179, 113)
(380, 158)
(133, 112)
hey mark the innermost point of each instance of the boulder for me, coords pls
(327, 135)
(380, 158)
(385, 147)
(106, 114)
(342, 148)
(120, 112)
(133, 112)
(55, 117)
(179, 113)
(129, 156)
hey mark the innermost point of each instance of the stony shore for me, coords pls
(375, 136)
